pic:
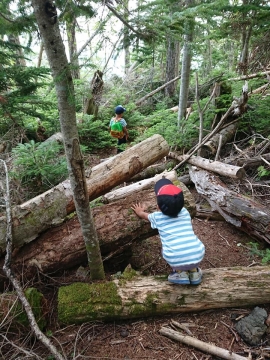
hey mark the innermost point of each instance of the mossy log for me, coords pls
(133, 296)
(51, 208)
(117, 227)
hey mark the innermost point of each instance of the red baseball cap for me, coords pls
(170, 197)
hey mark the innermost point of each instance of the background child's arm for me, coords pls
(139, 210)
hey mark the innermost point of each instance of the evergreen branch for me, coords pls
(9, 20)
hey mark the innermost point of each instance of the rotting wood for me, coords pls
(212, 145)
(62, 247)
(201, 345)
(241, 211)
(134, 296)
(50, 208)
(223, 169)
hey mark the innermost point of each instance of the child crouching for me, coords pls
(181, 248)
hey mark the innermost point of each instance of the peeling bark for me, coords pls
(241, 211)
(138, 296)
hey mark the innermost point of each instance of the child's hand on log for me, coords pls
(139, 210)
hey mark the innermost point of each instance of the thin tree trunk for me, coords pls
(172, 67)
(185, 71)
(55, 50)
(41, 49)
(72, 44)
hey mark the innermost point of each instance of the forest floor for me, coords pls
(140, 339)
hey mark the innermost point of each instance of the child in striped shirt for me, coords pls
(181, 248)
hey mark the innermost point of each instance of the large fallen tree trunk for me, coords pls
(241, 211)
(226, 134)
(232, 171)
(135, 297)
(117, 227)
(50, 208)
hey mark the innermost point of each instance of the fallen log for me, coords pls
(153, 170)
(145, 184)
(211, 145)
(201, 345)
(117, 227)
(252, 162)
(223, 169)
(241, 211)
(133, 296)
(50, 208)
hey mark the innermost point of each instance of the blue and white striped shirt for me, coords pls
(180, 246)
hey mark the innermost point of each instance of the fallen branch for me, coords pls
(138, 102)
(17, 286)
(207, 137)
(251, 76)
(205, 347)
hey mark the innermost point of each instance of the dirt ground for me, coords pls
(140, 339)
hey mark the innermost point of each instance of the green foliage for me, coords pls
(263, 253)
(94, 134)
(262, 172)
(35, 299)
(164, 122)
(19, 87)
(257, 118)
(39, 165)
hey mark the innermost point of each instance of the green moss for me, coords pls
(129, 273)
(35, 299)
(82, 302)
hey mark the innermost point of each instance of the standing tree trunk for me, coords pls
(72, 45)
(46, 16)
(126, 37)
(185, 71)
(172, 68)
(92, 103)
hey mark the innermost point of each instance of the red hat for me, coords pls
(170, 198)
